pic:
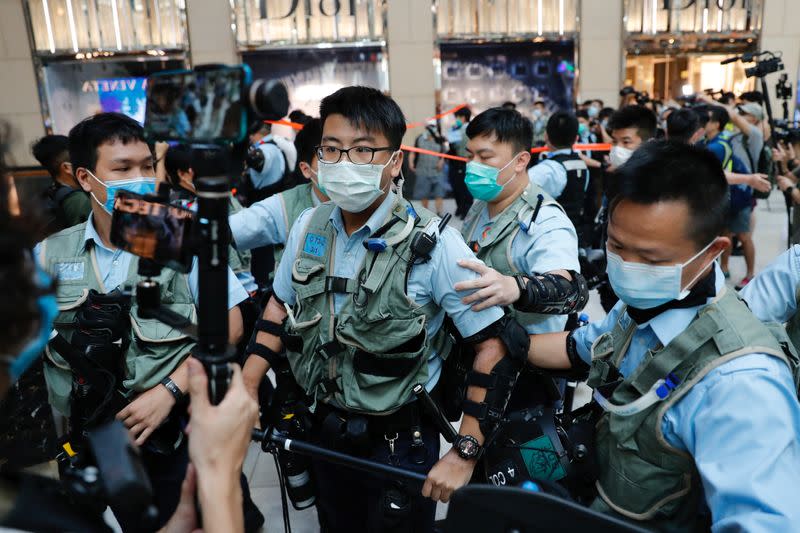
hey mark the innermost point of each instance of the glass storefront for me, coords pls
(107, 26)
(519, 51)
(316, 47)
(674, 47)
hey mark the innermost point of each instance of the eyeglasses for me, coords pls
(358, 155)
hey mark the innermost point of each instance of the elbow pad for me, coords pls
(499, 383)
(551, 294)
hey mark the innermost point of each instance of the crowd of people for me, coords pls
(343, 295)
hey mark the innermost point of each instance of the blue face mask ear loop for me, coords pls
(522, 225)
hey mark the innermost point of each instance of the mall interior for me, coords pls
(64, 60)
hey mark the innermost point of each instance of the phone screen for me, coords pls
(192, 106)
(153, 230)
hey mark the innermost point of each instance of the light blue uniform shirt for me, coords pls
(114, 266)
(262, 224)
(740, 423)
(431, 281)
(551, 244)
(274, 165)
(550, 175)
(771, 295)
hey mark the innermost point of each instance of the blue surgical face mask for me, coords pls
(139, 185)
(645, 286)
(481, 180)
(48, 309)
(592, 111)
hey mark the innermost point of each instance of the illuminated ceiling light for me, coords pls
(561, 17)
(705, 20)
(654, 21)
(687, 89)
(115, 16)
(72, 33)
(49, 27)
(539, 17)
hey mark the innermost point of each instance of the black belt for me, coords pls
(410, 415)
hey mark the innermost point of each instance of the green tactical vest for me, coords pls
(294, 201)
(368, 356)
(641, 476)
(238, 260)
(156, 349)
(495, 248)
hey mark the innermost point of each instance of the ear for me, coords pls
(66, 167)
(522, 161)
(84, 179)
(398, 163)
(719, 245)
(306, 170)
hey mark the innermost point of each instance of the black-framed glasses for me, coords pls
(358, 155)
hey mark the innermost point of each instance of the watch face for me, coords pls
(468, 447)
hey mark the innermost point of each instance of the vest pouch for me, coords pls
(69, 299)
(301, 341)
(385, 364)
(157, 348)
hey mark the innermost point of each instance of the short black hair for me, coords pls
(465, 113)
(178, 158)
(299, 117)
(307, 140)
(717, 113)
(753, 96)
(634, 116)
(507, 125)
(509, 105)
(367, 108)
(562, 128)
(599, 101)
(606, 112)
(727, 97)
(671, 171)
(682, 124)
(540, 102)
(582, 113)
(87, 135)
(51, 151)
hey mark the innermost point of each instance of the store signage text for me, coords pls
(328, 8)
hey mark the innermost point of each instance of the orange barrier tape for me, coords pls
(296, 126)
(596, 147)
(436, 117)
(429, 152)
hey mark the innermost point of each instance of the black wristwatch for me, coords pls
(467, 447)
(176, 392)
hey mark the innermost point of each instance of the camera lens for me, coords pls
(269, 99)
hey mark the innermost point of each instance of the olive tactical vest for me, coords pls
(294, 201)
(368, 356)
(641, 476)
(155, 349)
(495, 248)
(238, 260)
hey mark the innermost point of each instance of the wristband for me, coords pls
(176, 392)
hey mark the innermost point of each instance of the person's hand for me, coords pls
(161, 150)
(450, 473)
(493, 288)
(784, 182)
(148, 411)
(184, 519)
(790, 152)
(779, 154)
(760, 182)
(219, 434)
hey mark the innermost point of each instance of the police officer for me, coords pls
(700, 418)
(364, 305)
(457, 138)
(515, 227)
(773, 294)
(108, 154)
(562, 173)
(267, 170)
(269, 221)
(66, 203)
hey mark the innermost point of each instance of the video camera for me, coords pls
(786, 132)
(642, 97)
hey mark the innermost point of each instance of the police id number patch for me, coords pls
(70, 271)
(315, 245)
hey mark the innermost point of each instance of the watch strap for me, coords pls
(173, 388)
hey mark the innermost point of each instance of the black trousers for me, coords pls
(460, 193)
(353, 501)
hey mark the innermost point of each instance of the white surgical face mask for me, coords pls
(647, 286)
(619, 155)
(352, 187)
